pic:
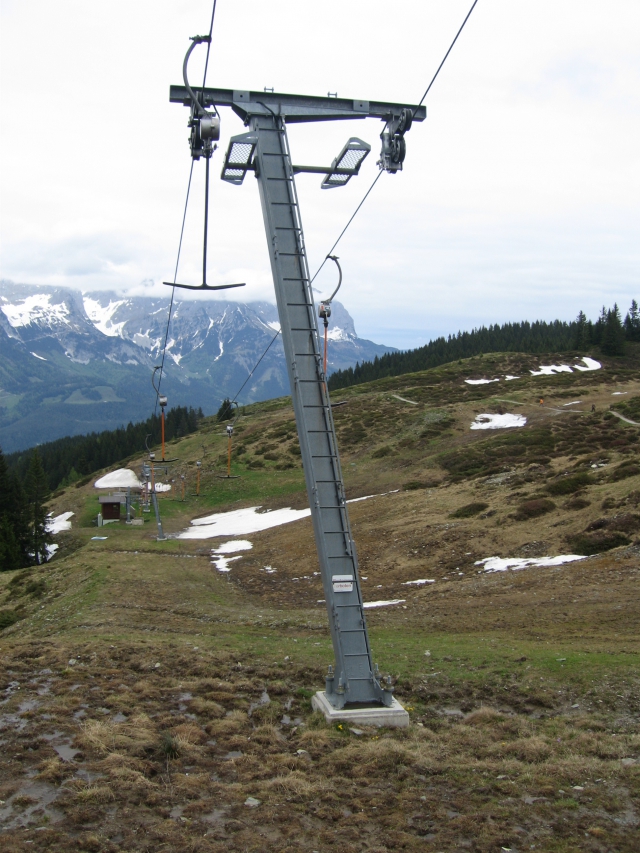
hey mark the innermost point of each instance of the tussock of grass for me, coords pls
(206, 708)
(482, 716)
(95, 794)
(469, 510)
(569, 484)
(534, 509)
(625, 470)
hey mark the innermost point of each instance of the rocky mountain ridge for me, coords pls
(76, 362)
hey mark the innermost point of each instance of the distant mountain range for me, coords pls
(72, 362)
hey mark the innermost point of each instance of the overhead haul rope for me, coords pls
(356, 211)
(184, 218)
(353, 216)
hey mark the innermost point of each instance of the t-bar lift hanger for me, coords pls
(264, 150)
(324, 311)
(205, 131)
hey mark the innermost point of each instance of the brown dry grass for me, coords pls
(524, 715)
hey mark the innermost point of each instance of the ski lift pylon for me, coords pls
(162, 400)
(228, 475)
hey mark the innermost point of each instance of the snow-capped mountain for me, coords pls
(75, 362)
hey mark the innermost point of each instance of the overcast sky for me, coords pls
(519, 197)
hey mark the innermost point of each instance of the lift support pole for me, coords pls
(353, 680)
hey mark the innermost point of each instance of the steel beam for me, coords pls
(294, 108)
(353, 679)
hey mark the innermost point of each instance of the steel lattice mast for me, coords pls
(264, 150)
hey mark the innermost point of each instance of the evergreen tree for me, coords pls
(632, 323)
(11, 511)
(612, 342)
(37, 494)
(225, 412)
(582, 340)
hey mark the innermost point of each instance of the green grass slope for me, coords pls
(151, 701)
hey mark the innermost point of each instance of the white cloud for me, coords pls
(519, 197)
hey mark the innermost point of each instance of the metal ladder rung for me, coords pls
(354, 654)
(349, 605)
(300, 329)
(290, 278)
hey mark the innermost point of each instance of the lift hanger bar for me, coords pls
(294, 108)
(204, 286)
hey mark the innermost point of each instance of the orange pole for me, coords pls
(198, 483)
(229, 459)
(162, 427)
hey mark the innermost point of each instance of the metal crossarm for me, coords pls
(295, 108)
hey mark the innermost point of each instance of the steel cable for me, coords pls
(356, 211)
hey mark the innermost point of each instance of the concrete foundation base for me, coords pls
(380, 715)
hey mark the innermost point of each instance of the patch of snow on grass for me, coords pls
(369, 604)
(35, 354)
(499, 564)
(418, 582)
(590, 364)
(232, 546)
(508, 377)
(486, 421)
(551, 369)
(480, 381)
(575, 403)
(51, 550)
(60, 522)
(222, 563)
(241, 521)
(614, 393)
(269, 570)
